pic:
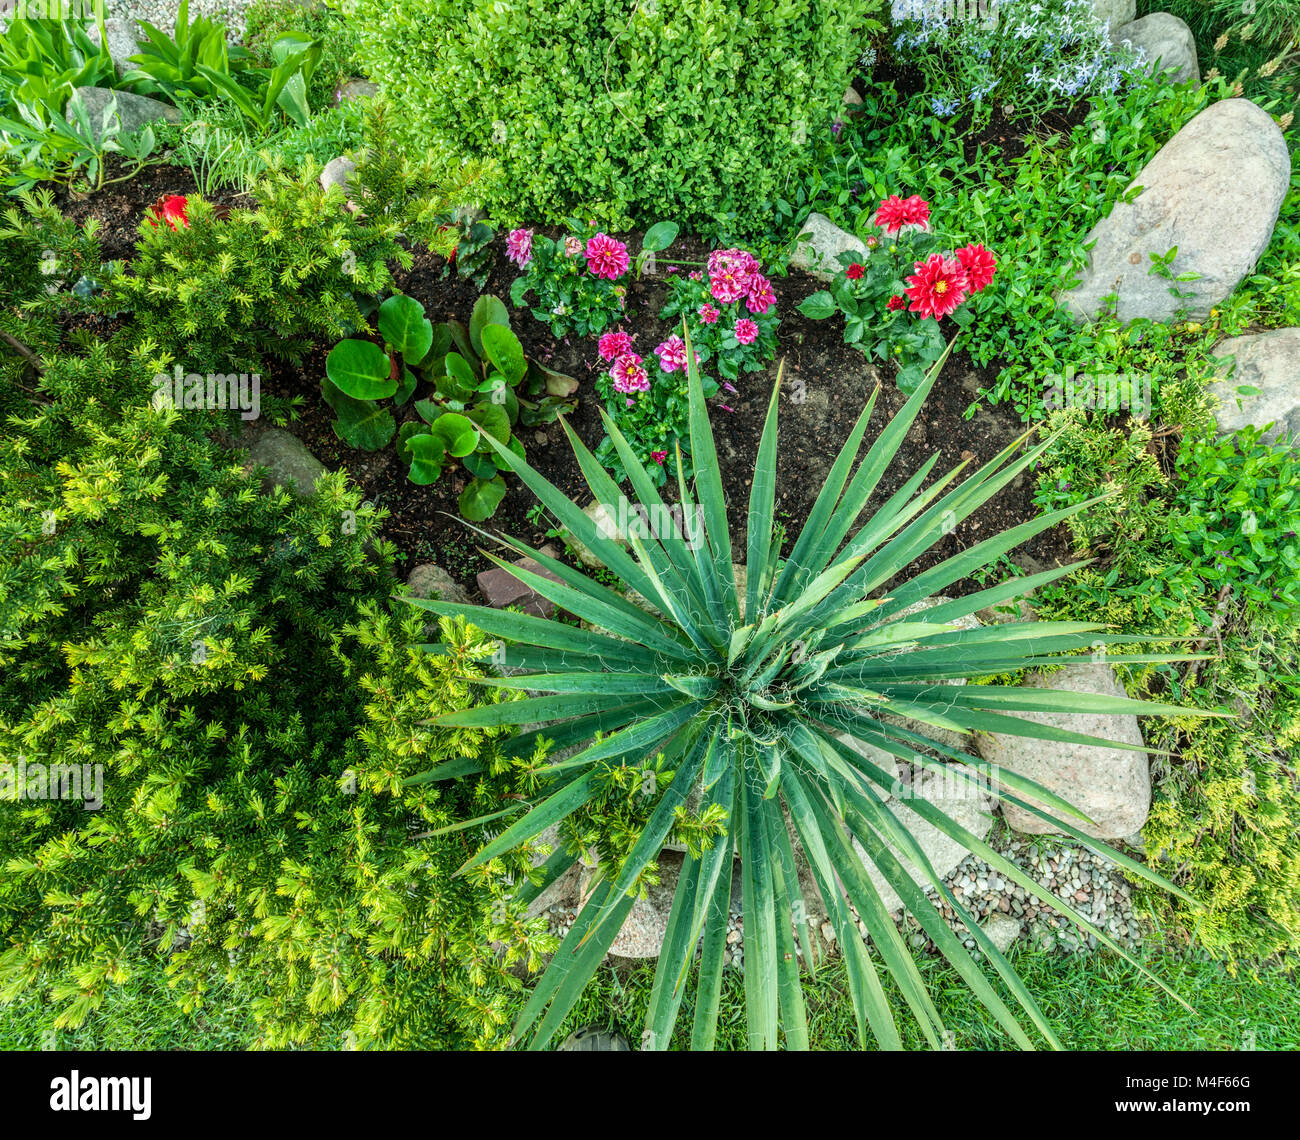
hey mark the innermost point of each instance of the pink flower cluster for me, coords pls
(606, 257)
(519, 247)
(629, 374)
(672, 354)
(613, 345)
(734, 274)
(627, 371)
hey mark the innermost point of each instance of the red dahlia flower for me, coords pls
(171, 208)
(895, 213)
(979, 264)
(854, 272)
(895, 303)
(937, 287)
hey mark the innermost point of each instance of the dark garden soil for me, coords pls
(423, 522)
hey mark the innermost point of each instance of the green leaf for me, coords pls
(360, 369)
(818, 306)
(456, 432)
(488, 312)
(403, 325)
(362, 424)
(505, 352)
(480, 499)
(659, 236)
(427, 453)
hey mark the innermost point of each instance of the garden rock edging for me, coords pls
(1168, 43)
(1112, 786)
(1230, 161)
(133, 111)
(818, 246)
(1270, 363)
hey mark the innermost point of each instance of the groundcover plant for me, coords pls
(760, 699)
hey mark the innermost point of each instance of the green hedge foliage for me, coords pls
(699, 110)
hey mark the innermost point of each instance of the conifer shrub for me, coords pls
(207, 715)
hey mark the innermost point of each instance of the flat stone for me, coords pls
(1213, 191)
(1168, 43)
(852, 98)
(1002, 931)
(501, 589)
(133, 111)
(1111, 786)
(355, 89)
(287, 460)
(337, 172)
(431, 581)
(820, 243)
(1269, 362)
(122, 40)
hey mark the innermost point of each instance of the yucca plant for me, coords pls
(754, 699)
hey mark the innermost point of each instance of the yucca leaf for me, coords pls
(762, 505)
(760, 921)
(708, 480)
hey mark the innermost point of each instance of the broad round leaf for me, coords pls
(488, 310)
(402, 324)
(818, 305)
(457, 433)
(427, 453)
(481, 498)
(660, 236)
(362, 424)
(361, 370)
(505, 352)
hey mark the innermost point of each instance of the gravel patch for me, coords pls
(1095, 886)
(162, 13)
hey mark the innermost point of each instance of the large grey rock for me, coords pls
(1269, 362)
(122, 41)
(337, 172)
(431, 581)
(1114, 12)
(288, 462)
(1112, 786)
(1214, 191)
(1168, 43)
(819, 245)
(133, 111)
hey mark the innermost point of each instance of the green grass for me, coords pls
(1095, 1002)
(140, 1014)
